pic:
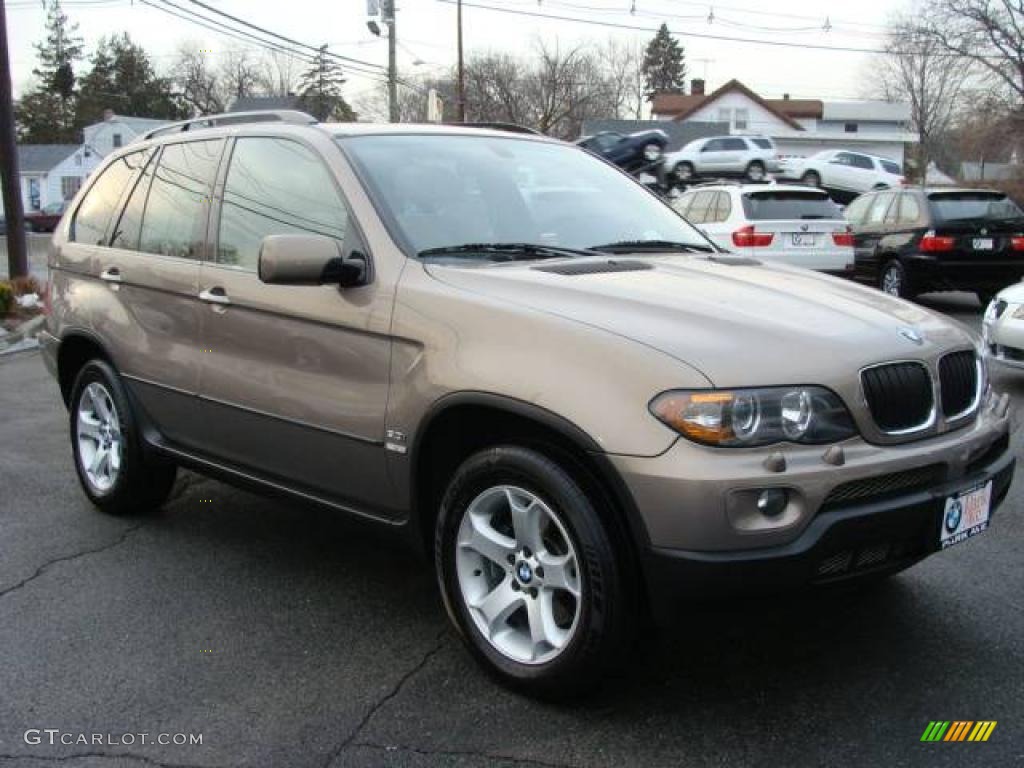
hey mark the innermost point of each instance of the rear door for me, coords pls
(294, 378)
(152, 270)
(711, 157)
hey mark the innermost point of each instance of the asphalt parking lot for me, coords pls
(288, 637)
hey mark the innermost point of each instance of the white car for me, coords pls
(838, 169)
(1003, 327)
(752, 157)
(786, 223)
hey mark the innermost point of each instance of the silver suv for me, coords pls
(514, 356)
(752, 157)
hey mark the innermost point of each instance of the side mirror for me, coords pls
(308, 260)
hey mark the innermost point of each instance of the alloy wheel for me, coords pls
(100, 441)
(518, 574)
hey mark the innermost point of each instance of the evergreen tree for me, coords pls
(320, 90)
(46, 114)
(664, 66)
(123, 79)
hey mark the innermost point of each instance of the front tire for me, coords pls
(529, 574)
(684, 171)
(112, 468)
(755, 171)
(811, 179)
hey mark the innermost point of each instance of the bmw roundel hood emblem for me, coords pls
(911, 335)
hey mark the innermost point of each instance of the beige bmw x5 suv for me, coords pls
(512, 354)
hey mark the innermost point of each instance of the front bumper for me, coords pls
(851, 541)
(1004, 338)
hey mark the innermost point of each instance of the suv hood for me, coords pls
(740, 324)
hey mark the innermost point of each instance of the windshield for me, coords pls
(991, 206)
(789, 204)
(452, 190)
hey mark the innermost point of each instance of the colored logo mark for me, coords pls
(958, 730)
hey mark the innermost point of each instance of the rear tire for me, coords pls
(811, 179)
(684, 171)
(895, 281)
(529, 575)
(112, 468)
(755, 171)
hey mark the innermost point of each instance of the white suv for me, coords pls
(752, 157)
(844, 171)
(786, 223)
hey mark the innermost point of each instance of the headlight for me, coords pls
(745, 418)
(1018, 313)
(652, 152)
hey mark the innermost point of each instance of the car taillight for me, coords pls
(843, 238)
(746, 237)
(1017, 242)
(932, 243)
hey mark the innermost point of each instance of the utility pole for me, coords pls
(389, 19)
(460, 98)
(17, 257)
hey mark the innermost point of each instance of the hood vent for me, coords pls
(593, 267)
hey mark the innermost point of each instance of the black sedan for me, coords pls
(917, 240)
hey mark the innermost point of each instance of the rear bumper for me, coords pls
(840, 544)
(979, 273)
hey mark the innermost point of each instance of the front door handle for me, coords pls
(215, 295)
(111, 275)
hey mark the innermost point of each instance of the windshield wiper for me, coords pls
(659, 246)
(506, 251)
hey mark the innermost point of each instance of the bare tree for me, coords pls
(919, 70)
(989, 33)
(624, 75)
(279, 74)
(194, 74)
(239, 74)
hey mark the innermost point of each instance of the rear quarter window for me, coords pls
(858, 209)
(762, 143)
(789, 204)
(890, 167)
(90, 223)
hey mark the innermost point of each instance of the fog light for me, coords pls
(772, 502)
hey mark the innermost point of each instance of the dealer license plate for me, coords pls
(804, 240)
(965, 515)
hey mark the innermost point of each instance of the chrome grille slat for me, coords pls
(959, 382)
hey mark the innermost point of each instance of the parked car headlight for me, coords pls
(744, 418)
(652, 152)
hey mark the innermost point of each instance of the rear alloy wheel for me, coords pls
(684, 171)
(114, 472)
(528, 573)
(755, 171)
(894, 280)
(811, 179)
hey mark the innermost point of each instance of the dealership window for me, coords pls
(69, 186)
(741, 119)
(118, 142)
(850, 127)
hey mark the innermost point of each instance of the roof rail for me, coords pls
(510, 127)
(730, 182)
(292, 116)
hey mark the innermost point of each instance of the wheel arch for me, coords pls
(77, 347)
(462, 423)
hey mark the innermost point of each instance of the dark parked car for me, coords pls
(917, 240)
(45, 220)
(633, 152)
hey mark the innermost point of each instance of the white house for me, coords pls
(800, 127)
(51, 173)
(115, 131)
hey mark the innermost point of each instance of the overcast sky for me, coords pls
(426, 34)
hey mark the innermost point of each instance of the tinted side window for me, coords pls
(715, 145)
(858, 209)
(910, 209)
(94, 213)
(891, 167)
(275, 187)
(174, 223)
(762, 143)
(877, 213)
(860, 161)
(733, 144)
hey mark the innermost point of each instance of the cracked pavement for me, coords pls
(288, 636)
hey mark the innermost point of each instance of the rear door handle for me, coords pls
(111, 275)
(215, 295)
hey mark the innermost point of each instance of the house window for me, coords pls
(117, 140)
(69, 186)
(725, 115)
(741, 116)
(850, 128)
